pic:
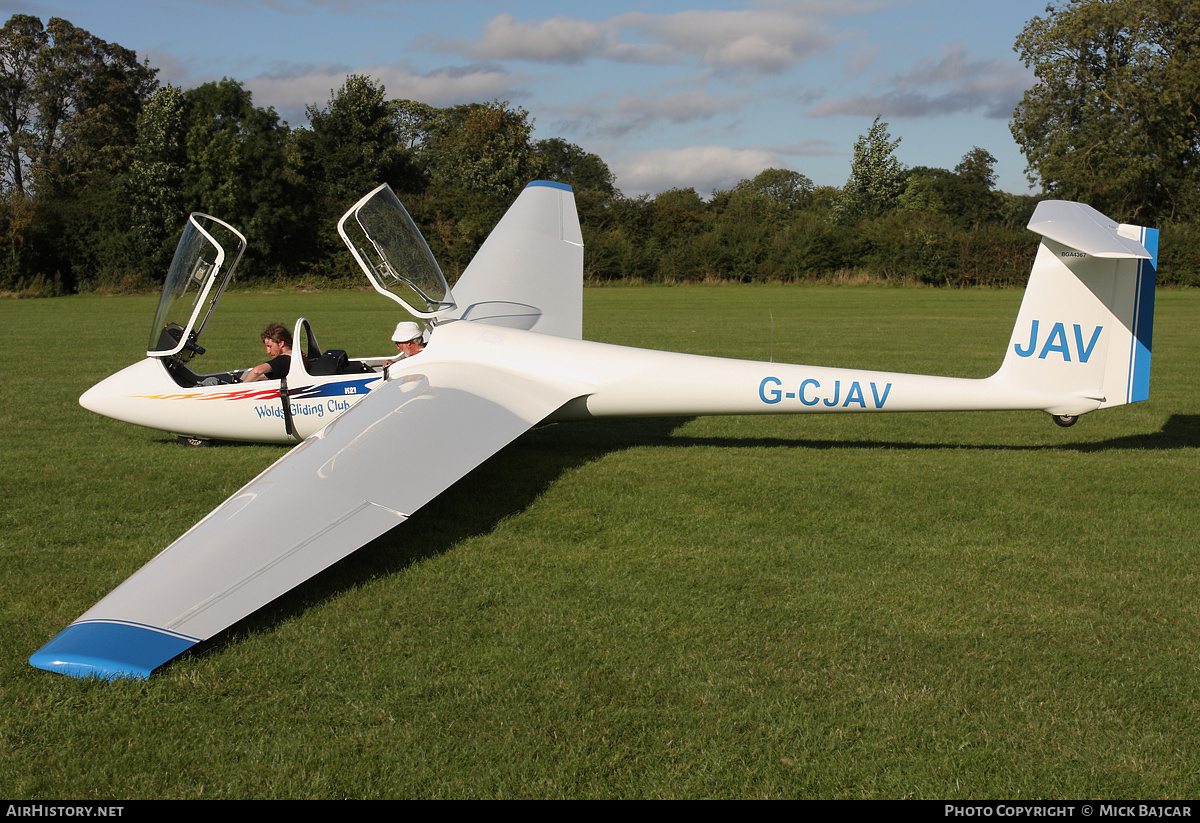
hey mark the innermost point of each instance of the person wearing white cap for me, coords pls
(407, 338)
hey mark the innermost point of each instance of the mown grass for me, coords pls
(942, 606)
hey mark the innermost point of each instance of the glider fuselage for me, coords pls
(145, 394)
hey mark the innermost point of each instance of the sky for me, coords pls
(670, 93)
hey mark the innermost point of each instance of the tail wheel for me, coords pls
(1065, 420)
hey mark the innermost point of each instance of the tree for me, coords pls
(965, 194)
(927, 189)
(414, 122)
(978, 202)
(567, 163)
(154, 184)
(476, 158)
(237, 168)
(978, 168)
(21, 41)
(68, 101)
(875, 177)
(788, 188)
(485, 148)
(92, 92)
(1114, 117)
(352, 145)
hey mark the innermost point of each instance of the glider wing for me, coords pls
(354, 480)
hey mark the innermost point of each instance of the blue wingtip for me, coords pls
(110, 651)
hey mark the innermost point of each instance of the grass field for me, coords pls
(975, 605)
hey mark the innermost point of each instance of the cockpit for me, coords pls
(204, 262)
(391, 251)
(377, 230)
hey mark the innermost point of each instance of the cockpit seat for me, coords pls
(334, 361)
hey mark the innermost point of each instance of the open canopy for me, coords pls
(395, 257)
(207, 254)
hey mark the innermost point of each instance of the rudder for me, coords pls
(528, 274)
(1085, 325)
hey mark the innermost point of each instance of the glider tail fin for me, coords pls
(1084, 329)
(528, 274)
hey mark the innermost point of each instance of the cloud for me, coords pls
(767, 40)
(954, 66)
(862, 59)
(292, 89)
(640, 113)
(557, 40)
(810, 147)
(641, 53)
(764, 41)
(447, 86)
(684, 107)
(703, 168)
(955, 83)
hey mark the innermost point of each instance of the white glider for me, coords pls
(505, 353)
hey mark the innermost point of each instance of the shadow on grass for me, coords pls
(501, 487)
(518, 475)
(205, 443)
(1181, 431)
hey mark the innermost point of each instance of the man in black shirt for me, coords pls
(278, 341)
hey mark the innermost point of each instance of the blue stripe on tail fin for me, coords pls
(1143, 324)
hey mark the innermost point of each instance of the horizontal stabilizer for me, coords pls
(1084, 229)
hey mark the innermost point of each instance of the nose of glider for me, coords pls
(102, 397)
(117, 396)
(93, 398)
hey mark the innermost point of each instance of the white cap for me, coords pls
(406, 331)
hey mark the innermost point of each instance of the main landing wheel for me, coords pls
(1065, 420)
(197, 442)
